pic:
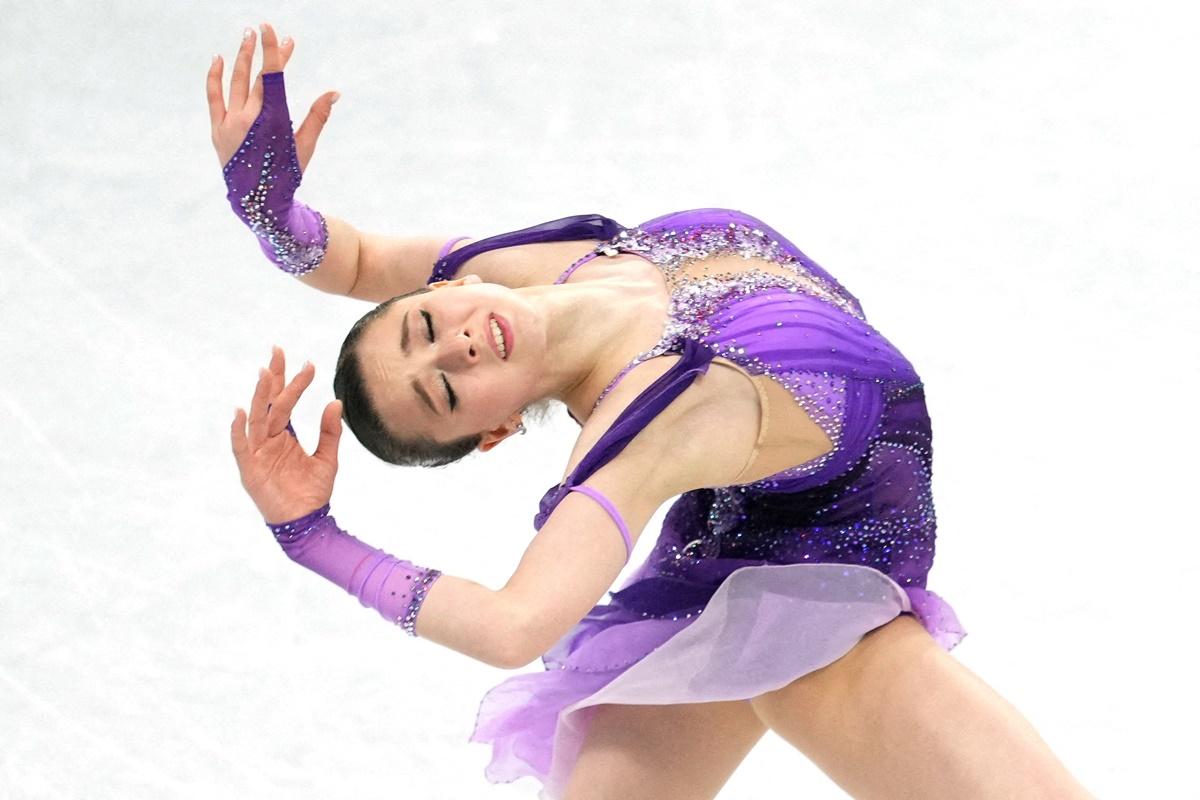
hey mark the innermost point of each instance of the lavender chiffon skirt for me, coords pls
(764, 626)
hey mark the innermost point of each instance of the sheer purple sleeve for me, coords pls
(262, 178)
(393, 587)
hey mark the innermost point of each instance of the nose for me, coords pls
(458, 351)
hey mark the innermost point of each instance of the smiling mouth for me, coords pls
(499, 340)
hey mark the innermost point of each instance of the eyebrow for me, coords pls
(418, 388)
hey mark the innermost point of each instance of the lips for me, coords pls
(508, 335)
(506, 329)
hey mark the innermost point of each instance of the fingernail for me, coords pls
(215, 57)
(336, 96)
(284, 41)
(246, 34)
(262, 29)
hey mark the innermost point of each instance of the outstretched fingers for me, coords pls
(272, 59)
(331, 434)
(276, 368)
(216, 92)
(237, 435)
(310, 129)
(239, 85)
(287, 46)
(285, 401)
(258, 409)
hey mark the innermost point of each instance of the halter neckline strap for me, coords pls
(567, 229)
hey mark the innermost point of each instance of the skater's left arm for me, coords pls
(574, 559)
(580, 551)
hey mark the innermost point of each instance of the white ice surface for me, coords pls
(1010, 188)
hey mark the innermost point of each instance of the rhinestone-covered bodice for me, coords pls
(756, 319)
(672, 250)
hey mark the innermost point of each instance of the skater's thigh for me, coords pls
(663, 752)
(899, 718)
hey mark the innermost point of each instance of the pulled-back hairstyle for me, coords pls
(363, 419)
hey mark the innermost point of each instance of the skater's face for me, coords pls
(435, 368)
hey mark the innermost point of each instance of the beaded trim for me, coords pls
(302, 526)
(420, 586)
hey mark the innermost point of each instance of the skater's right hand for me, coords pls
(282, 479)
(230, 125)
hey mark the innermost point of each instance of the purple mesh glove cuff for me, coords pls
(262, 178)
(394, 588)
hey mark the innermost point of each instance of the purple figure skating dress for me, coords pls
(748, 586)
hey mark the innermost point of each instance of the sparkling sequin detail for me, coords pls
(287, 532)
(262, 178)
(879, 514)
(867, 501)
(672, 250)
(420, 585)
(696, 302)
(694, 299)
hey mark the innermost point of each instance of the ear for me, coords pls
(463, 281)
(497, 435)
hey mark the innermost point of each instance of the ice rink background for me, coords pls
(1009, 188)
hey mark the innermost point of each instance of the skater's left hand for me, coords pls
(231, 124)
(281, 478)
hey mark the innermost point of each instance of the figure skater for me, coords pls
(706, 359)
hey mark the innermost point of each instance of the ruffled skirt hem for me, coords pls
(764, 627)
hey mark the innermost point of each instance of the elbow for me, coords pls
(516, 646)
(512, 660)
(511, 653)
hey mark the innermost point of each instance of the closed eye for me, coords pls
(451, 397)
